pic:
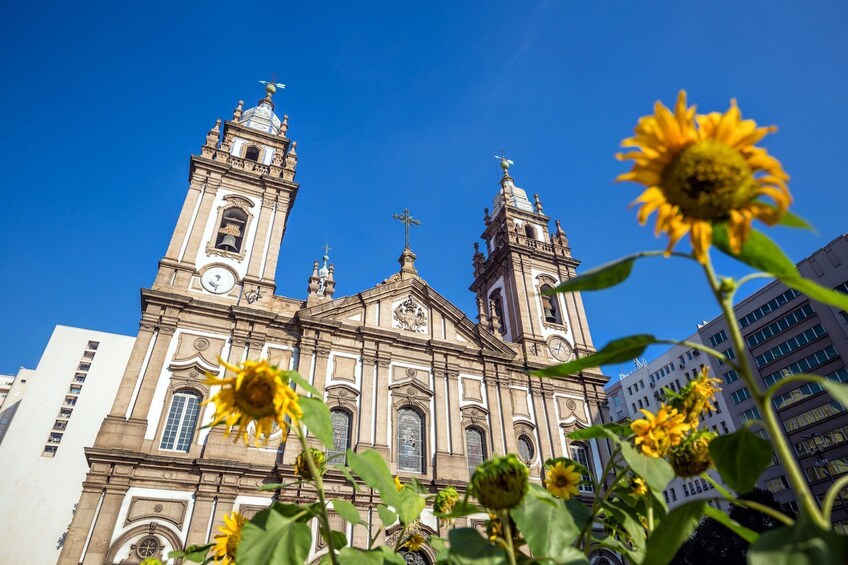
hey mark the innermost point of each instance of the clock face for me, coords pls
(559, 349)
(218, 280)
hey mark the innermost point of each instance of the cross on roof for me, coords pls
(407, 220)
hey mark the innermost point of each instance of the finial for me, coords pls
(559, 227)
(487, 219)
(505, 163)
(538, 203)
(214, 134)
(407, 220)
(271, 86)
(284, 125)
(237, 110)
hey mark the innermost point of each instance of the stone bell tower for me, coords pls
(521, 259)
(241, 190)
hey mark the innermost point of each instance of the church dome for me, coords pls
(262, 116)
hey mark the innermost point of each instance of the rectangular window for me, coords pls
(805, 365)
(93, 345)
(79, 378)
(790, 345)
(823, 440)
(777, 484)
(75, 389)
(833, 468)
(750, 414)
(740, 395)
(50, 450)
(70, 401)
(781, 325)
(84, 367)
(717, 338)
(88, 354)
(634, 407)
(768, 308)
(65, 412)
(55, 437)
(686, 489)
(665, 494)
(60, 425)
(182, 419)
(809, 417)
(724, 427)
(673, 494)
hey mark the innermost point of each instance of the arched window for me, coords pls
(525, 449)
(579, 454)
(231, 232)
(475, 448)
(182, 420)
(410, 440)
(550, 306)
(337, 455)
(495, 297)
(252, 153)
(529, 231)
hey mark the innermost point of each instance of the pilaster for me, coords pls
(153, 372)
(382, 388)
(367, 390)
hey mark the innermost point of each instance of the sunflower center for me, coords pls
(232, 543)
(708, 179)
(562, 480)
(256, 397)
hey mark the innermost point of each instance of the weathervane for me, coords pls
(407, 220)
(272, 85)
(505, 163)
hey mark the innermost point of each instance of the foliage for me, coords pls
(704, 176)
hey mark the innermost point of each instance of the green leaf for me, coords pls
(275, 486)
(347, 510)
(627, 518)
(580, 513)
(765, 255)
(372, 469)
(339, 539)
(410, 506)
(801, 544)
(673, 531)
(301, 382)
(386, 516)
(193, 553)
(316, 416)
(616, 351)
(462, 508)
(380, 556)
(599, 431)
(467, 546)
(740, 458)
(605, 276)
(346, 472)
(440, 546)
(789, 219)
(838, 391)
(271, 537)
(657, 472)
(721, 517)
(545, 523)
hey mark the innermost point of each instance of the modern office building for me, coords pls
(48, 417)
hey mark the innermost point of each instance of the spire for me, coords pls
(510, 194)
(238, 110)
(322, 284)
(537, 204)
(262, 116)
(479, 258)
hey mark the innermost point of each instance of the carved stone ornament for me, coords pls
(410, 316)
(201, 343)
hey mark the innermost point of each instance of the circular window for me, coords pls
(525, 449)
(147, 546)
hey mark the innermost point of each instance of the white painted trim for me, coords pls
(193, 220)
(208, 414)
(357, 373)
(93, 524)
(167, 494)
(268, 240)
(483, 393)
(140, 376)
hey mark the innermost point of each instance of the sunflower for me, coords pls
(257, 393)
(226, 543)
(640, 488)
(398, 484)
(562, 481)
(656, 434)
(696, 397)
(415, 542)
(701, 170)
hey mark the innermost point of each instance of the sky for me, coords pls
(393, 105)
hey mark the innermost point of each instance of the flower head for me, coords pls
(257, 393)
(562, 480)
(638, 486)
(415, 542)
(692, 456)
(398, 484)
(226, 543)
(445, 501)
(151, 561)
(704, 169)
(696, 397)
(656, 434)
(500, 482)
(301, 465)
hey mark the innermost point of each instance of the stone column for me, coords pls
(104, 526)
(381, 425)
(80, 524)
(146, 334)
(495, 416)
(321, 359)
(278, 230)
(553, 421)
(366, 401)
(505, 403)
(441, 418)
(263, 225)
(185, 218)
(204, 215)
(151, 375)
(457, 439)
(537, 398)
(204, 501)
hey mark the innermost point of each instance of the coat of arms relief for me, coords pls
(410, 316)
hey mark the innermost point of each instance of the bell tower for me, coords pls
(521, 260)
(241, 189)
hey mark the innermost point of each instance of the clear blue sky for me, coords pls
(393, 106)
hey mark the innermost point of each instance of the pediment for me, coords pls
(409, 309)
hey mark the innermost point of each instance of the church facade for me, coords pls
(404, 371)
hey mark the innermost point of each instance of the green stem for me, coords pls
(507, 528)
(772, 424)
(830, 498)
(400, 539)
(700, 347)
(649, 502)
(600, 482)
(768, 510)
(323, 519)
(752, 276)
(797, 378)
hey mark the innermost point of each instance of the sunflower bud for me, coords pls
(692, 456)
(151, 561)
(500, 482)
(698, 395)
(446, 499)
(301, 465)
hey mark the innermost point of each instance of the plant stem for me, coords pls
(323, 519)
(775, 431)
(507, 528)
(649, 502)
(601, 482)
(832, 493)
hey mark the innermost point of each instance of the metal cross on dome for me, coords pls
(407, 220)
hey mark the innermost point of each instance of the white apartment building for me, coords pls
(643, 389)
(47, 419)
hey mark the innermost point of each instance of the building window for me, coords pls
(768, 307)
(529, 231)
(60, 425)
(579, 454)
(84, 367)
(817, 414)
(777, 484)
(231, 232)
(673, 494)
(65, 412)
(805, 365)
(750, 414)
(55, 437)
(410, 440)
(790, 345)
(717, 338)
(79, 378)
(475, 448)
(70, 400)
(340, 419)
(779, 326)
(182, 419)
(550, 308)
(88, 354)
(147, 546)
(252, 153)
(93, 345)
(740, 395)
(75, 389)
(731, 376)
(525, 449)
(50, 450)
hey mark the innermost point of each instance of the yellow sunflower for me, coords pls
(256, 394)
(656, 434)
(415, 542)
(226, 543)
(562, 481)
(398, 484)
(701, 170)
(640, 488)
